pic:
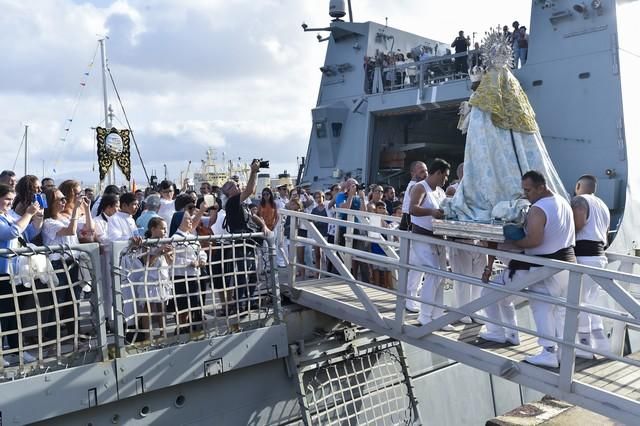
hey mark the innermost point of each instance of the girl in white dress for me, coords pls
(157, 287)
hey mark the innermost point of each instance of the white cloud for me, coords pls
(239, 75)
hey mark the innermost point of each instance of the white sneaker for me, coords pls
(412, 307)
(601, 345)
(544, 359)
(513, 338)
(581, 353)
(28, 358)
(424, 320)
(492, 337)
(5, 363)
(466, 320)
(447, 327)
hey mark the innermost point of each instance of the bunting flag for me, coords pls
(113, 149)
(66, 129)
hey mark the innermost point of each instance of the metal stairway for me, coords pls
(608, 384)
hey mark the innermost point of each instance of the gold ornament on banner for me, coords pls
(113, 145)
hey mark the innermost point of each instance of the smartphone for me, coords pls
(210, 200)
(40, 199)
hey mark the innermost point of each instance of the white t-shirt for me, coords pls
(167, 209)
(597, 225)
(559, 229)
(217, 227)
(406, 201)
(50, 237)
(431, 200)
(121, 227)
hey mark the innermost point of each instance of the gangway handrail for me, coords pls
(562, 384)
(557, 264)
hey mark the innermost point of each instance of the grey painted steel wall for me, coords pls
(256, 395)
(577, 72)
(574, 85)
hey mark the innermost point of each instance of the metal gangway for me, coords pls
(608, 384)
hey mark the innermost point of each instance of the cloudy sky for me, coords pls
(236, 75)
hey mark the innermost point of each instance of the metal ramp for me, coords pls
(609, 384)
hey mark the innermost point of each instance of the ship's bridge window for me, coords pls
(321, 129)
(336, 129)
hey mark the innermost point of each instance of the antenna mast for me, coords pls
(107, 116)
(26, 150)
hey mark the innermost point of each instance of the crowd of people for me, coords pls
(392, 74)
(34, 211)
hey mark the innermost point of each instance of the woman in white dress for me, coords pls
(62, 229)
(109, 205)
(74, 194)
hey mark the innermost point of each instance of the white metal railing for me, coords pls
(205, 287)
(619, 285)
(53, 313)
(431, 71)
(51, 310)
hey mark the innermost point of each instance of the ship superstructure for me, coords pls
(217, 172)
(371, 122)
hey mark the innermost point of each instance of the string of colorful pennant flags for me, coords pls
(66, 128)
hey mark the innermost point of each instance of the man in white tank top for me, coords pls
(418, 173)
(591, 216)
(426, 197)
(550, 232)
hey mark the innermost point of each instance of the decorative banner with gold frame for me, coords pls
(113, 145)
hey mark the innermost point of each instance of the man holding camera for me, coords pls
(238, 219)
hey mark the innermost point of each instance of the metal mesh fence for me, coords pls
(48, 315)
(185, 289)
(368, 389)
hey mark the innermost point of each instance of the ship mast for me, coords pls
(107, 114)
(26, 150)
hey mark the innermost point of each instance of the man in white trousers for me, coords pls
(426, 197)
(414, 281)
(549, 233)
(591, 216)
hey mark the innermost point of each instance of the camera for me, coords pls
(362, 186)
(264, 164)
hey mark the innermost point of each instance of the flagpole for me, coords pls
(107, 120)
(26, 150)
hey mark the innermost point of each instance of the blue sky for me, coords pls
(236, 75)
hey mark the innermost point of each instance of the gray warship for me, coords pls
(331, 349)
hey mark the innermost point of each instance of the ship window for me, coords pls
(537, 83)
(321, 129)
(584, 75)
(336, 129)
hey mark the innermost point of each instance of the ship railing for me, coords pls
(387, 314)
(180, 289)
(432, 71)
(50, 310)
